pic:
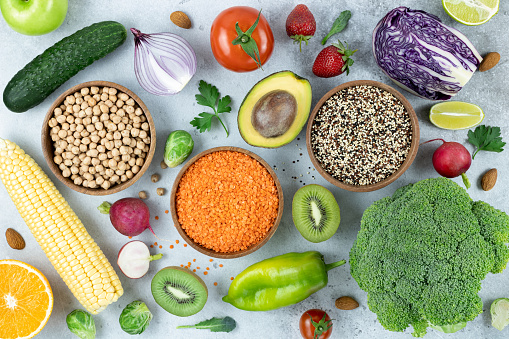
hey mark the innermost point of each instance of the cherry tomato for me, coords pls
(223, 32)
(313, 324)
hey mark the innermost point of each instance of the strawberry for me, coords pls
(300, 25)
(333, 61)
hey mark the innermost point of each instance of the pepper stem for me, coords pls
(332, 265)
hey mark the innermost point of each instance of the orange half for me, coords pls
(26, 300)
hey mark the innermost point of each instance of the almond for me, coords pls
(490, 60)
(489, 179)
(180, 19)
(346, 303)
(14, 239)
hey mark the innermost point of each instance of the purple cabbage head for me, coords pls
(422, 55)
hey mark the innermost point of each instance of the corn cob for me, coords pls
(67, 244)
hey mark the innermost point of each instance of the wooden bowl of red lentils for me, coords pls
(226, 202)
(362, 135)
(98, 138)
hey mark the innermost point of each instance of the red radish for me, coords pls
(134, 259)
(452, 159)
(129, 216)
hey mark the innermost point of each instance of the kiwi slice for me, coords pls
(315, 213)
(179, 291)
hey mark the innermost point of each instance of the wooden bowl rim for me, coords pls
(411, 153)
(47, 143)
(207, 251)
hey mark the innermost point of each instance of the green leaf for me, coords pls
(223, 106)
(226, 324)
(209, 97)
(204, 123)
(338, 25)
(486, 138)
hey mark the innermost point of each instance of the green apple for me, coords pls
(34, 17)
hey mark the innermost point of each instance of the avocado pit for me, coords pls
(274, 113)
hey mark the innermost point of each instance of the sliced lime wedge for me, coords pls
(471, 12)
(456, 115)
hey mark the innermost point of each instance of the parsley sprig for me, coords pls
(210, 97)
(486, 138)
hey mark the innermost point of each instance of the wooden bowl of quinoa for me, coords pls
(362, 135)
(226, 202)
(109, 139)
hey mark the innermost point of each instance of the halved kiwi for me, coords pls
(315, 213)
(179, 291)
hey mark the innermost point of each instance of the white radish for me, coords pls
(134, 259)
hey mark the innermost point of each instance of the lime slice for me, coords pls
(455, 115)
(471, 12)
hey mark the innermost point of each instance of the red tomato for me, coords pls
(223, 33)
(308, 329)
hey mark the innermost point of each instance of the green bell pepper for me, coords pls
(280, 281)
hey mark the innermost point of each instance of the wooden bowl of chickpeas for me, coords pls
(98, 138)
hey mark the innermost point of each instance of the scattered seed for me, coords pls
(142, 195)
(160, 191)
(163, 165)
(154, 177)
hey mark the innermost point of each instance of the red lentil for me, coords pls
(152, 246)
(157, 218)
(205, 273)
(171, 246)
(198, 267)
(194, 260)
(231, 278)
(227, 201)
(185, 245)
(220, 265)
(166, 211)
(215, 284)
(176, 241)
(208, 268)
(194, 270)
(160, 246)
(211, 260)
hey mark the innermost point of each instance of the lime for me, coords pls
(471, 12)
(455, 115)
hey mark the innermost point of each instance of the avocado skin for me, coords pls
(303, 95)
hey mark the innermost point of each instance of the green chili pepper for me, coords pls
(280, 281)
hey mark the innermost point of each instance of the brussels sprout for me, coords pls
(81, 323)
(179, 146)
(500, 313)
(135, 317)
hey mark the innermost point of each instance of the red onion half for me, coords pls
(163, 62)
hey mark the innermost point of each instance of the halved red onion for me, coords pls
(163, 62)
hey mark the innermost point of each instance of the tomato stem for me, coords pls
(247, 43)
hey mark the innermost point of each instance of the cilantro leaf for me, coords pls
(210, 97)
(204, 123)
(486, 138)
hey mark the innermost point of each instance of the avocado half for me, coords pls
(275, 110)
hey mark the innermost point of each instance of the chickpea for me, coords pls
(91, 170)
(106, 185)
(135, 169)
(93, 153)
(99, 180)
(74, 169)
(62, 134)
(57, 111)
(135, 132)
(96, 162)
(115, 152)
(78, 181)
(58, 159)
(104, 97)
(109, 103)
(129, 174)
(138, 111)
(102, 133)
(103, 156)
(132, 162)
(143, 134)
(83, 148)
(66, 172)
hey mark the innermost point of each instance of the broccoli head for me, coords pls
(422, 253)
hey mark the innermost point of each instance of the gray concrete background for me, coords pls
(489, 90)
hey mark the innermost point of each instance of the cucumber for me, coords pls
(49, 70)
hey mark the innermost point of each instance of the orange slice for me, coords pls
(26, 300)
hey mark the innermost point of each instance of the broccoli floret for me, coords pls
(421, 255)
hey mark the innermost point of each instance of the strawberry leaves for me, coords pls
(486, 138)
(210, 97)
